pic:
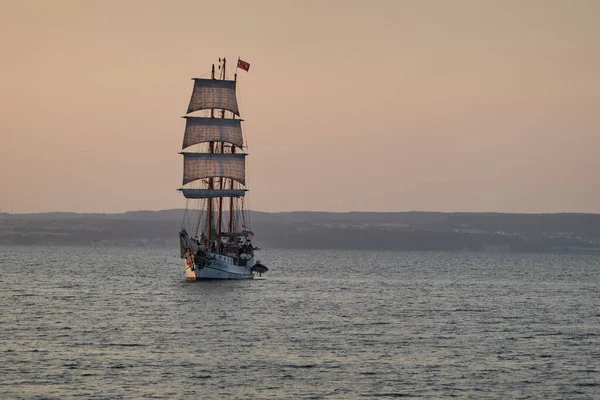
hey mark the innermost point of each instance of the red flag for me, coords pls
(243, 65)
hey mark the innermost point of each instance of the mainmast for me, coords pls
(222, 151)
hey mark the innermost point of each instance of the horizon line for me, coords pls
(307, 211)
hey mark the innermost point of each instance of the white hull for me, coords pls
(219, 267)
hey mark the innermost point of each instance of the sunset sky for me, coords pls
(349, 105)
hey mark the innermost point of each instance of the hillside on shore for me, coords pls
(496, 232)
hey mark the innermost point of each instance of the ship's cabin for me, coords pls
(237, 245)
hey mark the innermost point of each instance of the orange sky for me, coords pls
(349, 105)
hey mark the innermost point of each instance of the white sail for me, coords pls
(203, 129)
(212, 193)
(205, 165)
(212, 93)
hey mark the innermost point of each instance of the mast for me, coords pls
(222, 151)
(210, 179)
(231, 185)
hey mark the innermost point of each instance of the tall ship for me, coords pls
(215, 236)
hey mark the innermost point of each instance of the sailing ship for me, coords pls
(215, 236)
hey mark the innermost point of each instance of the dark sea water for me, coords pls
(84, 322)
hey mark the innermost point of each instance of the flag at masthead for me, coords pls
(243, 65)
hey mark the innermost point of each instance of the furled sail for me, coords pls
(202, 129)
(205, 165)
(212, 193)
(212, 93)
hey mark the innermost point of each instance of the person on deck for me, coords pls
(244, 257)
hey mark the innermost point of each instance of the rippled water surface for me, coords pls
(122, 323)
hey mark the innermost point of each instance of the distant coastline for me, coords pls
(486, 232)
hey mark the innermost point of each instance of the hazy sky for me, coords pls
(349, 105)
